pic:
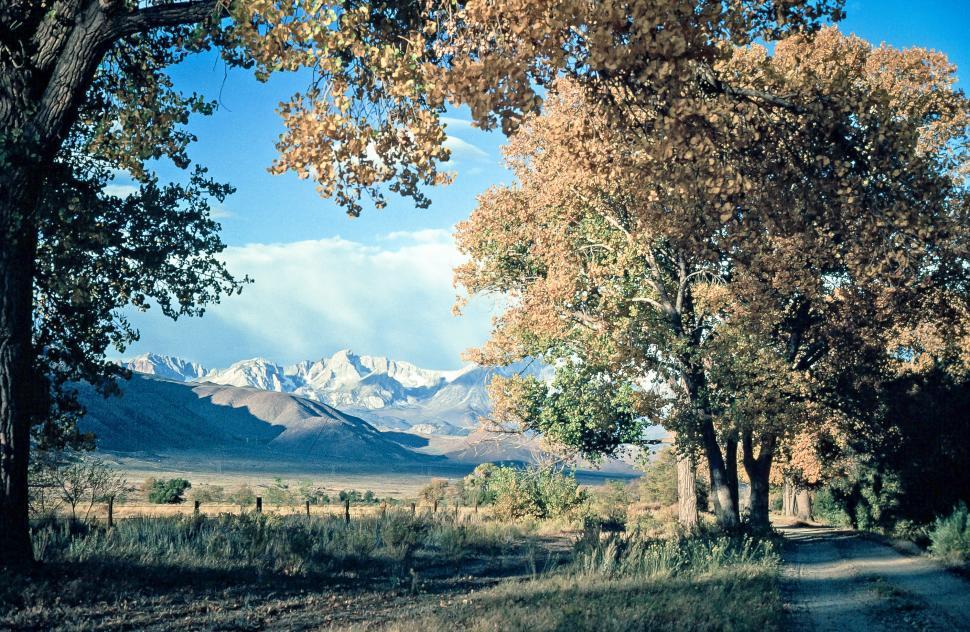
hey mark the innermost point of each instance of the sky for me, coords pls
(380, 284)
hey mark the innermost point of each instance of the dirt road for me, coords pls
(838, 580)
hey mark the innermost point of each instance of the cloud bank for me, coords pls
(311, 298)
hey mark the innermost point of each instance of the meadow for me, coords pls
(563, 556)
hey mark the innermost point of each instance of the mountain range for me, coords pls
(160, 416)
(391, 395)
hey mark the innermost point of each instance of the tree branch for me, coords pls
(162, 15)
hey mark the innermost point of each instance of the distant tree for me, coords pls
(314, 494)
(434, 492)
(208, 493)
(81, 481)
(170, 491)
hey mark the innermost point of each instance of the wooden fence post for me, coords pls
(476, 504)
(308, 509)
(111, 510)
(434, 508)
(259, 504)
(413, 508)
(195, 510)
(347, 510)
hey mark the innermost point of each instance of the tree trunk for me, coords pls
(686, 492)
(758, 469)
(803, 502)
(725, 508)
(731, 465)
(788, 497)
(18, 392)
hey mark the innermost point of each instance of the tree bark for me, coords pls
(731, 465)
(803, 501)
(788, 497)
(725, 507)
(18, 392)
(687, 492)
(758, 469)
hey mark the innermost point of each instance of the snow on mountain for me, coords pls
(165, 366)
(257, 373)
(391, 394)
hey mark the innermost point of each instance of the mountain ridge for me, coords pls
(390, 394)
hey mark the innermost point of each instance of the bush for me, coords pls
(535, 492)
(208, 493)
(950, 536)
(169, 492)
(610, 504)
(244, 496)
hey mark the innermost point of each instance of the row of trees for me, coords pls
(84, 94)
(742, 290)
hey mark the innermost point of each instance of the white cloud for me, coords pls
(463, 149)
(219, 211)
(424, 235)
(457, 123)
(313, 297)
(120, 190)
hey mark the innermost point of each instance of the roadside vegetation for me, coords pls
(506, 548)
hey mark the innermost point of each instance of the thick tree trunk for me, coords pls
(803, 502)
(725, 507)
(687, 492)
(788, 497)
(758, 469)
(18, 396)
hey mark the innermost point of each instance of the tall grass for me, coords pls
(271, 543)
(633, 556)
(704, 582)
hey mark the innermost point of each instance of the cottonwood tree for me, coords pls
(769, 233)
(81, 78)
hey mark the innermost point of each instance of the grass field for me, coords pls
(396, 572)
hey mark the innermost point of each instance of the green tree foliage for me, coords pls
(537, 492)
(908, 462)
(585, 409)
(168, 491)
(477, 487)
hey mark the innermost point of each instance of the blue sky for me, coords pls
(380, 284)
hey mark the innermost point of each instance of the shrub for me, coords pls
(243, 496)
(610, 503)
(538, 492)
(169, 491)
(950, 536)
(208, 493)
(434, 492)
